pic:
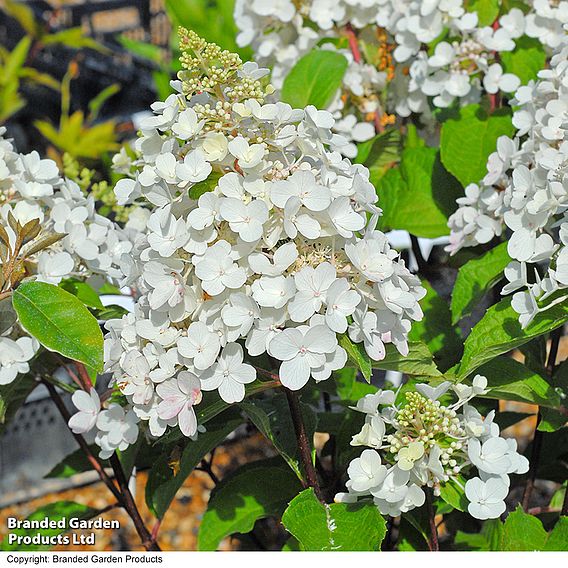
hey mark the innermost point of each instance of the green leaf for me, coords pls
(419, 361)
(422, 197)
(60, 322)
(58, 511)
(388, 188)
(510, 380)
(13, 395)
(97, 102)
(454, 495)
(142, 49)
(487, 10)
(436, 329)
(526, 60)
(558, 538)
(314, 79)
(255, 491)
(112, 311)
(16, 59)
(162, 484)
(467, 140)
(499, 331)
(553, 420)
(380, 153)
(335, 527)
(72, 464)
(74, 38)
(475, 278)
(523, 532)
(8, 316)
(348, 387)
(357, 355)
(83, 291)
(272, 418)
(211, 20)
(205, 186)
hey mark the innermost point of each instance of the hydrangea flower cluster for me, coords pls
(525, 191)
(258, 236)
(426, 443)
(396, 36)
(64, 237)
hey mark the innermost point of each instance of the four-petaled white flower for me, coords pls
(301, 350)
(229, 375)
(178, 397)
(89, 406)
(366, 471)
(311, 288)
(200, 345)
(486, 498)
(217, 269)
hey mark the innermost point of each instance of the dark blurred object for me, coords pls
(100, 65)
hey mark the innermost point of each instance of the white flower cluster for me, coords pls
(32, 188)
(396, 35)
(425, 443)
(258, 236)
(525, 191)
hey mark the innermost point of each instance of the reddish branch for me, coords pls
(304, 445)
(123, 495)
(353, 44)
(130, 505)
(433, 540)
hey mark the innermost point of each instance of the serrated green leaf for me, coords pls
(389, 187)
(244, 497)
(558, 537)
(487, 10)
(357, 355)
(419, 361)
(83, 291)
(420, 198)
(454, 495)
(13, 395)
(335, 527)
(205, 186)
(436, 329)
(526, 60)
(523, 532)
(379, 153)
(314, 79)
(162, 484)
(272, 417)
(510, 380)
(468, 139)
(72, 464)
(475, 278)
(8, 316)
(60, 322)
(499, 331)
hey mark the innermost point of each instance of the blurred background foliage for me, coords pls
(76, 77)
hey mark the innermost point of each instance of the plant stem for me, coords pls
(538, 434)
(130, 505)
(303, 443)
(353, 45)
(433, 540)
(564, 510)
(97, 466)
(123, 496)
